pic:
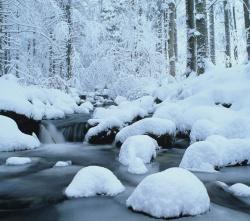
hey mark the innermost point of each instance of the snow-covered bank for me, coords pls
(36, 102)
(94, 180)
(172, 193)
(12, 139)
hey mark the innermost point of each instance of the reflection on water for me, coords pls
(35, 192)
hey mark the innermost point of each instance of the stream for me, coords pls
(35, 191)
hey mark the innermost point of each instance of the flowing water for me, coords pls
(34, 192)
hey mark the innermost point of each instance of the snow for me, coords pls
(240, 190)
(15, 161)
(137, 151)
(36, 102)
(137, 166)
(142, 146)
(196, 104)
(153, 126)
(172, 193)
(119, 116)
(63, 164)
(85, 107)
(12, 139)
(94, 180)
(216, 151)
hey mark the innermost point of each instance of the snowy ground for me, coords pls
(27, 186)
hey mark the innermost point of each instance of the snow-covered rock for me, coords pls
(120, 99)
(141, 146)
(172, 193)
(216, 151)
(240, 190)
(160, 129)
(94, 180)
(137, 166)
(35, 102)
(106, 122)
(16, 161)
(63, 164)
(11, 138)
(85, 107)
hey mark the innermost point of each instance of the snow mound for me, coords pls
(63, 164)
(137, 166)
(240, 190)
(151, 126)
(35, 102)
(216, 151)
(141, 146)
(16, 161)
(12, 139)
(94, 180)
(116, 117)
(172, 193)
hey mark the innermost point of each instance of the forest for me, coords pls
(124, 110)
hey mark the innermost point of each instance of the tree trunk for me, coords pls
(1, 39)
(227, 34)
(172, 39)
(212, 35)
(202, 35)
(235, 35)
(191, 39)
(69, 41)
(247, 25)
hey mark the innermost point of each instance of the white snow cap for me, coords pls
(15, 161)
(63, 164)
(154, 126)
(94, 180)
(172, 193)
(136, 166)
(216, 151)
(11, 138)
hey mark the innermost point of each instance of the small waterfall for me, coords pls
(49, 135)
(72, 128)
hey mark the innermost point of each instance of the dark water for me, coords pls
(35, 192)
